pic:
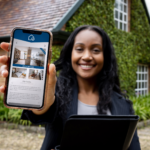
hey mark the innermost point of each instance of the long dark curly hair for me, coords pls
(108, 80)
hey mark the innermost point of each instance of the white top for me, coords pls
(85, 109)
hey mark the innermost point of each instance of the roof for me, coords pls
(45, 14)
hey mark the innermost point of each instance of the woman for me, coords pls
(88, 77)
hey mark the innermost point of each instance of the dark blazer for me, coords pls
(54, 123)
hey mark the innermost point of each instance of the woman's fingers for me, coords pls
(5, 46)
(3, 59)
(4, 71)
(2, 89)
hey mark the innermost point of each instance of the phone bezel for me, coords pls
(9, 65)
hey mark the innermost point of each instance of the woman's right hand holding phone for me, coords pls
(50, 81)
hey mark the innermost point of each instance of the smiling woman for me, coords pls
(88, 83)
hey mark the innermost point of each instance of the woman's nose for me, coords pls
(87, 55)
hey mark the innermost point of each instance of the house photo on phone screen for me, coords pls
(29, 56)
(35, 74)
(19, 72)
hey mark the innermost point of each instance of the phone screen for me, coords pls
(28, 66)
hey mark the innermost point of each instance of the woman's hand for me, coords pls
(50, 81)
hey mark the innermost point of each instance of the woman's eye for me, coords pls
(96, 50)
(79, 49)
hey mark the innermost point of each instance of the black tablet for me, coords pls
(98, 132)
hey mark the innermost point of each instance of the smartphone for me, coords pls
(30, 52)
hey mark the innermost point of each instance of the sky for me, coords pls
(148, 5)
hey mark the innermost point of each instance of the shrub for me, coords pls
(141, 106)
(11, 115)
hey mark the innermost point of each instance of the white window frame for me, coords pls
(142, 80)
(119, 11)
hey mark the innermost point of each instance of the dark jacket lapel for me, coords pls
(118, 104)
(75, 100)
(74, 103)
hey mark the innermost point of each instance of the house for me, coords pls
(125, 21)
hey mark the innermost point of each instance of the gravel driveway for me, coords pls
(17, 139)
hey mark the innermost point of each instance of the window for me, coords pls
(142, 80)
(121, 14)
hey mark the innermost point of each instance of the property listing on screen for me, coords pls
(28, 69)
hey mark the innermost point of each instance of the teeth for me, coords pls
(86, 66)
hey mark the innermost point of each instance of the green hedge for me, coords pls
(141, 106)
